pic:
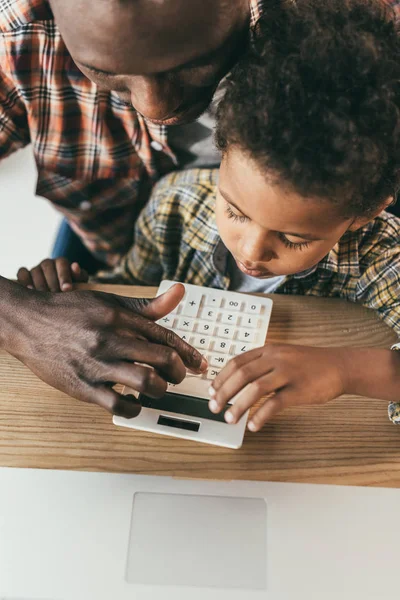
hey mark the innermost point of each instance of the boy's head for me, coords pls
(165, 57)
(310, 132)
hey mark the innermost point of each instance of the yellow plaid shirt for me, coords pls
(176, 237)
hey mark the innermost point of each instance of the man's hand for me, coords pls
(85, 342)
(52, 275)
(290, 375)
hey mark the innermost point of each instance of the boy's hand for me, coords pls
(52, 275)
(292, 375)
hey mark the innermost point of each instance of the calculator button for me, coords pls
(222, 346)
(247, 321)
(241, 348)
(205, 328)
(230, 318)
(246, 335)
(218, 360)
(167, 321)
(212, 373)
(191, 306)
(185, 324)
(226, 332)
(214, 301)
(208, 314)
(233, 305)
(253, 308)
(184, 336)
(202, 342)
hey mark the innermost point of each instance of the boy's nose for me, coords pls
(255, 250)
(155, 97)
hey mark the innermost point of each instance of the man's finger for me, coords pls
(139, 378)
(112, 401)
(156, 308)
(159, 335)
(165, 360)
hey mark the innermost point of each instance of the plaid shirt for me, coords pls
(96, 157)
(176, 238)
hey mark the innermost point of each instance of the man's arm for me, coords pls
(83, 343)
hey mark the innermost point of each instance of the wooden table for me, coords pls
(349, 441)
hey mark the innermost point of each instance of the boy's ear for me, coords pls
(359, 222)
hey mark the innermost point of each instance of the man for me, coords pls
(93, 91)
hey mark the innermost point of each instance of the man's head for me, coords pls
(309, 128)
(165, 57)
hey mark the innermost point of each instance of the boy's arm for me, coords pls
(371, 372)
(299, 375)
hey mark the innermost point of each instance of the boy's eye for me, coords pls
(235, 216)
(293, 245)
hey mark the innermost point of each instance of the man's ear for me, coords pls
(359, 222)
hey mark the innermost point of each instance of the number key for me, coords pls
(246, 335)
(230, 318)
(226, 332)
(222, 346)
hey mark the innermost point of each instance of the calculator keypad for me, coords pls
(220, 324)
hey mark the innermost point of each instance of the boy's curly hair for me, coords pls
(316, 101)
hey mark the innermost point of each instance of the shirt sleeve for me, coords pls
(14, 131)
(379, 287)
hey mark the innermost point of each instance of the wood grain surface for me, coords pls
(349, 441)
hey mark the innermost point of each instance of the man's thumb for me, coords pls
(156, 308)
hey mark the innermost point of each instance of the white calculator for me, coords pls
(221, 325)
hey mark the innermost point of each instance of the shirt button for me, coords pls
(85, 205)
(156, 145)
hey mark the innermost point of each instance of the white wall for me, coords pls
(27, 223)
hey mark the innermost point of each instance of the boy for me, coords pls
(309, 129)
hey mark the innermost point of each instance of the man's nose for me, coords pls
(155, 97)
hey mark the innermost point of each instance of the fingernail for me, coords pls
(30, 287)
(213, 406)
(66, 286)
(252, 426)
(229, 418)
(211, 391)
(203, 365)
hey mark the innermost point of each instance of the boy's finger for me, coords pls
(230, 379)
(79, 275)
(50, 273)
(267, 411)
(24, 277)
(64, 274)
(39, 280)
(250, 395)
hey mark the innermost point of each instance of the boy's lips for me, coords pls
(253, 272)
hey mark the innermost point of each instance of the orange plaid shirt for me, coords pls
(96, 157)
